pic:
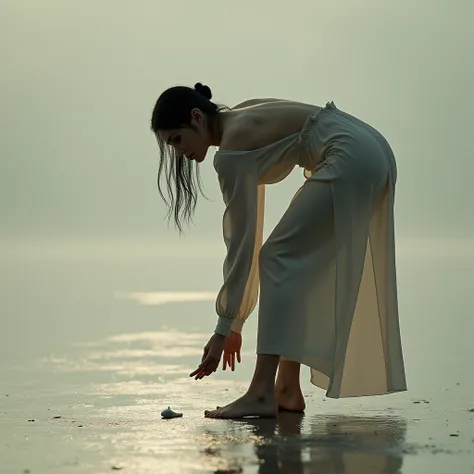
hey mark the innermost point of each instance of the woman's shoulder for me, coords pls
(239, 135)
(257, 125)
(253, 102)
(245, 130)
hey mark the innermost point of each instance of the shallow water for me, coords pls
(87, 366)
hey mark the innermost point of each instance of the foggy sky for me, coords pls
(79, 81)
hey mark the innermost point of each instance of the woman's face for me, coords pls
(193, 143)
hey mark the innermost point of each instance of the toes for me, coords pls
(212, 413)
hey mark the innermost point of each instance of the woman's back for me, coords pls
(259, 122)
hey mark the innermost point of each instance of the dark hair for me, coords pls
(173, 110)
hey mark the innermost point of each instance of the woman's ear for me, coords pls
(197, 115)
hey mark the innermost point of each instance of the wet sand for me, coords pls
(84, 378)
(98, 410)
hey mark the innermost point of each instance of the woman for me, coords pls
(326, 273)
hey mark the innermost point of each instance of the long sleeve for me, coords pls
(243, 233)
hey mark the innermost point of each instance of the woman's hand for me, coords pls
(232, 346)
(211, 357)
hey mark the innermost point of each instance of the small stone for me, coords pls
(116, 468)
(31, 420)
(56, 417)
(453, 434)
(169, 413)
(79, 426)
(471, 410)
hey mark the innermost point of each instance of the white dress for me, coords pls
(328, 293)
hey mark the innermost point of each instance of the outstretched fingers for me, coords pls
(229, 360)
(206, 367)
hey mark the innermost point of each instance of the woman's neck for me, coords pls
(221, 124)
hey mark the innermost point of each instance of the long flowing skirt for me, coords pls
(328, 291)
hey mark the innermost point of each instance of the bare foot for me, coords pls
(289, 398)
(248, 405)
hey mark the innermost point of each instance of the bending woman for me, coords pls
(328, 296)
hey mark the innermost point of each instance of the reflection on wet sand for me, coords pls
(132, 377)
(331, 444)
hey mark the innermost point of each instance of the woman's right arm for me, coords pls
(242, 230)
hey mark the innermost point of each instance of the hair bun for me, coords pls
(203, 90)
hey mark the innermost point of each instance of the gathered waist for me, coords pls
(309, 158)
(332, 132)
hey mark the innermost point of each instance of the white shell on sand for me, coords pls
(169, 413)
